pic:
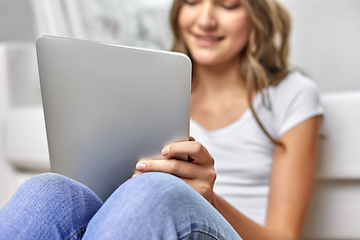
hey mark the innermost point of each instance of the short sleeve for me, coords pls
(295, 99)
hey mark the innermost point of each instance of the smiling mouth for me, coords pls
(207, 40)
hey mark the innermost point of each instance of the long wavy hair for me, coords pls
(264, 60)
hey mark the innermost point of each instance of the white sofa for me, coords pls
(335, 208)
(19, 89)
(334, 212)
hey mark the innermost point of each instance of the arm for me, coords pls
(290, 188)
(292, 178)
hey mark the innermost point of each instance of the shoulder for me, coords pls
(293, 85)
(294, 100)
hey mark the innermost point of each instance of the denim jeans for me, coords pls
(149, 206)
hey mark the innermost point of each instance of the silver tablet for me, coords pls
(107, 106)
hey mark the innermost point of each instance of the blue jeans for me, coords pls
(149, 206)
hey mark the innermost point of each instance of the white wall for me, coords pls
(16, 20)
(325, 41)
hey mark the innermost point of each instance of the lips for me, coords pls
(207, 40)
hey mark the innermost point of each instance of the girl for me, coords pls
(256, 125)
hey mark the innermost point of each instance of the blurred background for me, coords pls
(325, 40)
(325, 43)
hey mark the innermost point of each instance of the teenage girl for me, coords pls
(255, 127)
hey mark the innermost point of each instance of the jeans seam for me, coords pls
(206, 233)
(201, 231)
(76, 233)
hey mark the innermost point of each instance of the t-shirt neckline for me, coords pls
(229, 127)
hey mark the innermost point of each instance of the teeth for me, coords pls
(209, 38)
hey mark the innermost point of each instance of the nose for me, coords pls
(207, 19)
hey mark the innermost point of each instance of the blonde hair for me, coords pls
(264, 60)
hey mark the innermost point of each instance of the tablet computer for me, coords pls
(108, 106)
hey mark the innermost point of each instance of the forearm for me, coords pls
(243, 225)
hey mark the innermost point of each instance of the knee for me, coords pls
(54, 188)
(49, 192)
(46, 183)
(160, 188)
(52, 203)
(44, 178)
(161, 183)
(149, 197)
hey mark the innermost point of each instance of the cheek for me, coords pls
(240, 28)
(183, 19)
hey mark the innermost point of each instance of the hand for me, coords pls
(199, 173)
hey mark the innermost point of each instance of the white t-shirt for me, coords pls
(243, 153)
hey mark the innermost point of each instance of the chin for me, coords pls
(211, 58)
(209, 61)
(205, 60)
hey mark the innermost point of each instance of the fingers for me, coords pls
(194, 149)
(172, 166)
(200, 174)
(197, 154)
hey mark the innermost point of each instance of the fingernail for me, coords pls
(165, 151)
(140, 166)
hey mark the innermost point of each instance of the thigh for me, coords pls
(48, 206)
(158, 206)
